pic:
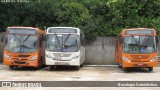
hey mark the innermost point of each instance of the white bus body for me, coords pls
(64, 46)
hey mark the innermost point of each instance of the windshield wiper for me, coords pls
(57, 38)
(67, 38)
(26, 38)
(25, 46)
(17, 37)
(135, 40)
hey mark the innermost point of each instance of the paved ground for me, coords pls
(113, 73)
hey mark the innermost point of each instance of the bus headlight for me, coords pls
(126, 59)
(48, 56)
(33, 58)
(7, 57)
(55, 58)
(154, 58)
(75, 57)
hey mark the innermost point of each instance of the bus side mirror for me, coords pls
(43, 37)
(6, 40)
(121, 39)
(157, 38)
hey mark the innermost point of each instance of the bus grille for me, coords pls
(24, 56)
(140, 56)
(20, 57)
(61, 55)
(19, 62)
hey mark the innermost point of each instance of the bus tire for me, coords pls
(120, 66)
(40, 64)
(81, 65)
(49, 68)
(77, 67)
(150, 68)
(11, 67)
(38, 68)
(124, 68)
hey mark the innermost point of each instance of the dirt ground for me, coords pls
(86, 73)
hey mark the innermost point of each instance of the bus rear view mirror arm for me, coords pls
(121, 39)
(157, 38)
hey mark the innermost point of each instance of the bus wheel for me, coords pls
(124, 68)
(77, 67)
(11, 67)
(38, 68)
(50, 68)
(150, 68)
(81, 65)
(120, 66)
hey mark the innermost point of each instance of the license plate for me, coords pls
(140, 64)
(61, 63)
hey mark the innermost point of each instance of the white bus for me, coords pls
(65, 46)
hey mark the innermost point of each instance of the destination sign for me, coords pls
(22, 31)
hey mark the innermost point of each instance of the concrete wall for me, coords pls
(101, 52)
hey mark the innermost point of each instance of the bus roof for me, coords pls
(37, 29)
(23, 27)
(77, 29)
(63, 27)
(139, 33)
(139, 29)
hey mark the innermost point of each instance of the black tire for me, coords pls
(40, 64)
(150, 68)
(38, 68)
(81, 65)
(77, 67)
(50, 68)
(125, 69)
(120, 66)
(11, 67)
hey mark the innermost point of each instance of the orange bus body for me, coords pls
(126, 60)
(28, 59)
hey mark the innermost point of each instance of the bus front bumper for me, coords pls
(73, 62)
(139, 64)
(20, 63)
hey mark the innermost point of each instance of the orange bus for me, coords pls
(24, 46)
(137, 47)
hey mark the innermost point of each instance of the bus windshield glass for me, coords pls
(139, 44)
(21, 43)
(62, 42)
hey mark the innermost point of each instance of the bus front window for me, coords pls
(62, 42)
(139, 44)
(21, 43)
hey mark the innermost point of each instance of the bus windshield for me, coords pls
(62, 42)
(21, 43)
(139, 44)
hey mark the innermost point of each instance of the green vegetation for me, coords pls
(93, 17)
